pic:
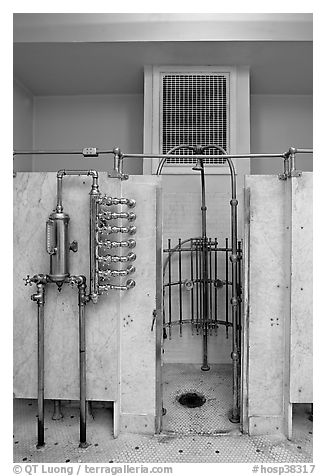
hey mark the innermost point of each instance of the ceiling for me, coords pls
(276, 67)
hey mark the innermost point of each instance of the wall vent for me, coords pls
(194, 110)
(195, 105)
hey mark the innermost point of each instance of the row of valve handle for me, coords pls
(104, 243)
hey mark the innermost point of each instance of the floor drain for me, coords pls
(191, 400)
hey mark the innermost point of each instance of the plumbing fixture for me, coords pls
(58, 247)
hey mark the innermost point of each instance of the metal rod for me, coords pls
(188, 321)
(200, 282)
(58, 152)
(180, 289)
(158, 156)
(170, 297)
(192, 289)
(215, 289)
(239, 293)
(39, 297)
(210, 282)
(239, 324)
(227, 287)
(205, 365)
(40, 358)
(206, 156)
(189, 249)
(93, 242)
(197, 286)
(82, 360)
(57, 414)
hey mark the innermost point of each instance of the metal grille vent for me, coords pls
(195, 111)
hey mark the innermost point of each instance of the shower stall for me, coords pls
(202, 299)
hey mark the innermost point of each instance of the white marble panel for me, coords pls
(34, 200)
(301, 355)
(267, 296)
(138, 340)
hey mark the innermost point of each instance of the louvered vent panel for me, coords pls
(195, 112)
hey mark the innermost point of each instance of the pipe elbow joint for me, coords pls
(61, 173)
(93, 173)
(36, 297)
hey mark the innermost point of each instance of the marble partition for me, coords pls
(138, 336)
(117, 327)
(267, 304)
(278, 295)
(301, 356)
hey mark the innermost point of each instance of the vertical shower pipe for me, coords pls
(235, 416)
(205, 365)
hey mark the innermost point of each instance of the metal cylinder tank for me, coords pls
(57, 245)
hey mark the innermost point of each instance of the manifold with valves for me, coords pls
(104, 221)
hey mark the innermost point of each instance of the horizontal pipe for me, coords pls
(188, 321)
(196, 156)
(167, 250)
(62, 172)
(162, 156)
(57, 152)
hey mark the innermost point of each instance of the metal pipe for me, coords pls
(156, 156)
(227, 287)
(57, 413)
(61, 173)
(60, 152)
(108, 287)
(93, 242)
(205, 366)
(82, 299)
(117, 229)
(192, 289)
(180, 288)
(215, 289)
(115, 244)
(170, 297)
(198, 156)
(39, 297)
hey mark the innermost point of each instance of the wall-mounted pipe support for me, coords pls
(118, 165)
(289, 166)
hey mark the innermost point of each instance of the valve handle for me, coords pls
(28, 280)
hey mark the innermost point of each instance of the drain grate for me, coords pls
(191, 400)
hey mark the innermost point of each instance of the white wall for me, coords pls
(22, 125)
(75, 122)
(105, 121)
(278, 122)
